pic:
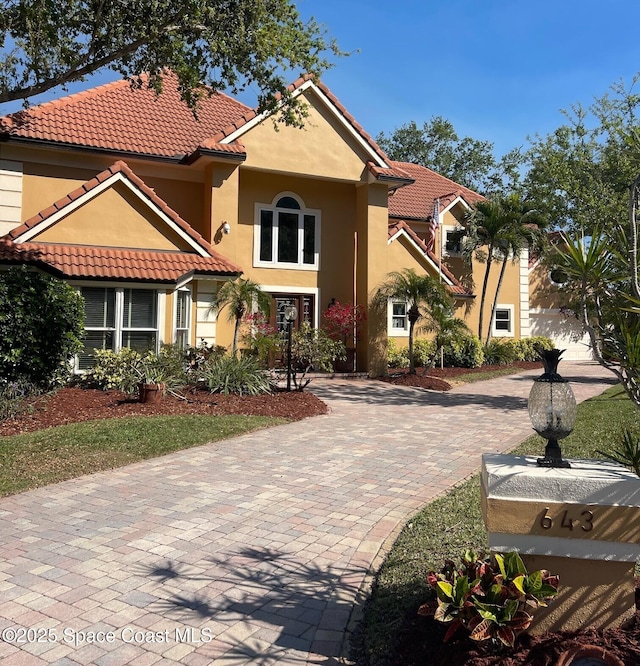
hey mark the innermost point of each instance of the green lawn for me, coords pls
(452, 523)
(48, 456)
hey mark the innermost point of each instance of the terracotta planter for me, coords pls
(151, 393)
(588, 655)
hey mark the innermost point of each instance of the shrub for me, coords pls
(627, 453)
(397, 357)
(195, 358)
(41, 324)
(261, 339)
(13, 398)
(311, 349)
(424, 352)
(341, 321)
(500, 352)
(242, 376)
(169, 365)
(463, 351)
(530, 348)
(112, 370)
(492, 599)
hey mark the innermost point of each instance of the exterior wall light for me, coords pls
(552, 408)
(226, 228)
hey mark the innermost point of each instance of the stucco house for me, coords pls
(148, 210)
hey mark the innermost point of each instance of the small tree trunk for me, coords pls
(412, 364)
(236, 332)
(483, 295)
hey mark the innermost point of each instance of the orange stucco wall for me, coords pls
(322, 149)
(542, 292)
(472, 278)
(115, 218)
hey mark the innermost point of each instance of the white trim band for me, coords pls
(580, 549)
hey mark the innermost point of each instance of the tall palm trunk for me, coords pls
(483, 295)
(413, 315)
(497, 294)
(239, 313)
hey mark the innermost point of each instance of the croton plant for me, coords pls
(493, 599)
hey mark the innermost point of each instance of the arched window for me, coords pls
(287, 234)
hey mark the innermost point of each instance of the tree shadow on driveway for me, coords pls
(269, 607)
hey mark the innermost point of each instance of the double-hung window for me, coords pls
(183, 309)
(140, 319)
(398, 320)
(99, 322)
(118, 317)
(287, 234)
(503, 321)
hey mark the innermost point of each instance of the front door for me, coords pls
(304, 304)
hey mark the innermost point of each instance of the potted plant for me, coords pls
(342, 323)
(153, 380)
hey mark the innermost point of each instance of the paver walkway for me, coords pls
(251, 550)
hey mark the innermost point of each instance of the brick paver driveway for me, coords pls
(251, 550)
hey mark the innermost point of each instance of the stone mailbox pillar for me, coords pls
(582, 524)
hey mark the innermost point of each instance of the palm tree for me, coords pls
(504, 226)
(446, 327)
(240, 296)
(421, 293)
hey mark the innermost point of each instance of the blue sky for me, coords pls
(498, 70)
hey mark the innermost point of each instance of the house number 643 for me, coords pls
(586, 518)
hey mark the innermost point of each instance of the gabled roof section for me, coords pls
(119, 118)
(118, 172)
(399, 228)
(81, 260)
(379, 164)
(416, 201)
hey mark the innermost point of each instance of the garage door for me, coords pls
(565, 331)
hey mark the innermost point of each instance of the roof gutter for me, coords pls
(40, 143)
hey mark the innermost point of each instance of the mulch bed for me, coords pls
(421, 644)
(435, 379)
(71, 405)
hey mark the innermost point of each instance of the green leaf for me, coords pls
(533, 582)
(444, 590)
(519, 583)
(500, 560)
(513, 565)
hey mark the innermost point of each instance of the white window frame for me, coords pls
(392, 331)
(119, 328)
(446, 230)
(188, 304)
(500, 333)
(274, 263)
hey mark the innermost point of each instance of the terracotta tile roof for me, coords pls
(455, 287)
(134, 121)
(107, 263)
(416, 201)
(117, 117)
(394, 173)
(82, 261)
